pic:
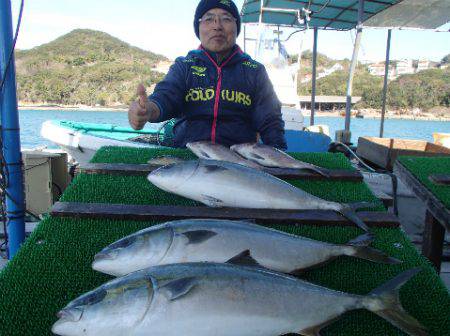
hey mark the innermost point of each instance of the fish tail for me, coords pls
(348, 212)
(388, 306)
(362, 250)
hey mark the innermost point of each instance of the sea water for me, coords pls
(31, 122)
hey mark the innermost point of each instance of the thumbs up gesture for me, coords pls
(140, 110)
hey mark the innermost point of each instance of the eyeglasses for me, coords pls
(209, 19)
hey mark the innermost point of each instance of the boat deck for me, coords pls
(57, 257)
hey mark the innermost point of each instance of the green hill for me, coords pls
(84, 67)
(426, 89)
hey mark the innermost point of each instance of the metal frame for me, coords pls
(386, 78)
(305, 3)
(359, 30)
(314, 77)
(15, 198)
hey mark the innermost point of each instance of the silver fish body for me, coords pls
(268, 156)
(225, 184)
(213, 151)
(206, 299)
(197, 240)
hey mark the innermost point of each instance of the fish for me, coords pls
(204, 299)
(214, 151)
(225, 184)
(213, 240)
(164, 160)
(269, 156)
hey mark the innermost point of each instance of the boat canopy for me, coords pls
(416, 14)
(343, 14)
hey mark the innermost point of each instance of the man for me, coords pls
(218, 93)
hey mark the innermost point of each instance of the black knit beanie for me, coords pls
(206, 5)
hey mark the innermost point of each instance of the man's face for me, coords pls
(219, 34)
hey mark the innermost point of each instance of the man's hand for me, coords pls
(142, 110)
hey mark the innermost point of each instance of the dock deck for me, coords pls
(54, 265)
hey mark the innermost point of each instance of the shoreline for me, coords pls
(306, 113)
(71, 108)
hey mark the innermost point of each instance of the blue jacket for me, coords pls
(246, 105)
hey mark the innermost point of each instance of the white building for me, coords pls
(404, 67)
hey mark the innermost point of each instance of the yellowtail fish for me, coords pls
(268, 156)
(204, 299)
(213, 240)
(209, 151)
(226, 184)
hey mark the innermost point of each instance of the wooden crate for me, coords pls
(383, 152)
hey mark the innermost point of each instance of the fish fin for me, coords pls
(392, 309)
(362, 240)
(315, 330)
(205, 155)
(257, 157)
(363, 251)
(214, 168)
(301, 271)
(198, 236)
(178, 288)
(211, 201)
(350, 214)
(245, 259)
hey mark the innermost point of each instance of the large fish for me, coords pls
(195, 240)
(272, 157)
(205, 299)
(226, 184)
(213, 151)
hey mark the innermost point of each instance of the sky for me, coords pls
(166, 27)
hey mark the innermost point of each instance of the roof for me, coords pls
(417, 14)
(336, 14)
(343, 14)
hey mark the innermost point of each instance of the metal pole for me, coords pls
(348, 105)
(245, 39)
(314, 75)
(386, 77)
(15, 204)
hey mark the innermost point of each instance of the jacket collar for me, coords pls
(238, 56)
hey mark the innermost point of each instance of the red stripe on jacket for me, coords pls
(219, 84)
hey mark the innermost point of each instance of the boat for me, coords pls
(270, 51)
(82, 140)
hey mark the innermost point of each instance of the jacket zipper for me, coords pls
(218, 87)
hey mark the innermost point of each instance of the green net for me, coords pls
(423, 167)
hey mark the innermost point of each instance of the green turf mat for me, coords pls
(137, 155)
(142, 155)
(138, 190)
(423, 167)
(93, 188)
(53, 267)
